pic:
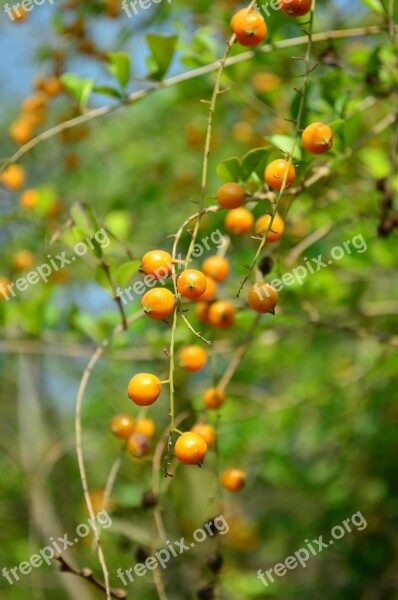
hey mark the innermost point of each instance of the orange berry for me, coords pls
(122, 426)
(190, 448)
(233, 480)
(193, 358)
(97, 498)
(249, 27)
(23, 260)
(158, 303)
(4, 288)
(202, 312)
(52, 86)
(231, 195)
(144, 389)
(295, 8)
(207, 432)
(221, 314)
(317, 138)
(28, 199)
(19, 14)
(138, 445)
(146, 427)
(157, 263)
(13, 177)
(277, 227)
(263, 298)
(191, 284)
(21, 131)
(35, 102)
(264, 83)
(214, 398)
(275, 172)
(211, 290)
(216, 267)
(239, 221)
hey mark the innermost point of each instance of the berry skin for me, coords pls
(239, 221)
(52, 86)
(21, 131)
(122, 426)
(29, 199)
(193, 358)
(144, 389)
(13, 178)
(277, 227)
(191, 284)
(214, 398)
(233, 480)
(157, 263)
(275, 172)
(211, 290)
(202, 312)
(158, 303)
(216, 267)
(231, 195)
(145, 427)
(249, 27)
(295, 8)
(263, 298)
(138, 445)
(190, 448)
(317, 138)
(207, 432)
(221, 314)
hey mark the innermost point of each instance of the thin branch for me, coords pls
(88, 575)
(187, 76)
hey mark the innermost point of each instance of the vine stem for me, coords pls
(79, 447)
(300, 113)
(187, 76)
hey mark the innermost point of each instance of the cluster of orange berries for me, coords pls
(250, 28)
(136, 433)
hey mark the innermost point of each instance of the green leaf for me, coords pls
(374, 5)
(125, 272)
(83, 218)
(229, 169)
(79, 88)
(162, 49)
(102, 280)
(107, 90)
(285, 144)
(120, 67)
(253, 162)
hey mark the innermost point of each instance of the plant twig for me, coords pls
(89, 576)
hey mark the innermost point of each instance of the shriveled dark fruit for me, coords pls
(149, 499)
(215, 562)
(141, 554)
(205, 593)
(266, 265)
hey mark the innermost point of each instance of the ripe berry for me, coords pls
(249, 27)
(157, 263)
(239, 221)
(122, 426)
(202, 312)
(13, 177)
(207, 432)
(190, 448)
(211, 290)
(146, 427)
(221, 314)
(231, 195)
(158, 303)
(193, 358)
(233, 480)
(138, 445)
(4, 288)
(191, 284)
(216, 267)
(277, 227)
(317, 138)
(144, 389)
(263, 298)
(295, 8)
(275, 172)
(23, 260)
(214, 398)
(52, 86)
(29, 199)
(21, 131)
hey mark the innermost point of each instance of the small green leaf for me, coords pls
(374, 5)
(120, 67)
(229, 169)
(253, 161)
(162, 49)
(107, 90)
(79, 88)
(285, 144)
(125, 272)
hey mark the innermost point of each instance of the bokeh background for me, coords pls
(312, 410)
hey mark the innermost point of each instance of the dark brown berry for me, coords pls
(215, 563)
(266, 265)
(149, 500)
